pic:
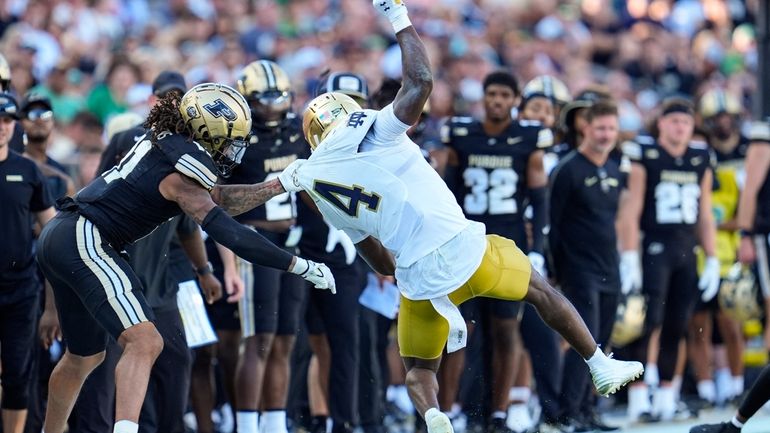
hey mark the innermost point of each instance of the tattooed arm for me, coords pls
(237, 199)
(418, 80)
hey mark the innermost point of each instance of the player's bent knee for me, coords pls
(81, 366)
(142, 339)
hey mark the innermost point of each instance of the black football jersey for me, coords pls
(267, 155)
(125, 203)
(492, 172)
(672, 190)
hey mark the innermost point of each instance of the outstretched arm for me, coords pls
(237, 199)
(417, 78)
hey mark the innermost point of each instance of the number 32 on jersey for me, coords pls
(490, 191)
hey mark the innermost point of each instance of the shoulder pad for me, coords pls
(698, 145)
(190, 159)
(632, 150)
(456, 127)
(760, 131)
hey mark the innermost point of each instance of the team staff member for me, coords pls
(272, 302)
(163, 175)
(405, 221)
(25, 199)
(669, 200)
(753, 219)
(585, 193)
(497, 164)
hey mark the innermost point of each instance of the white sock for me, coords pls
(273, 421)
(737, 385)
(596, 359)
(519, 394)
(638, 401)
(676, 385)
(651, 376)
(707, 390)
(663, 403)
(724, 385)
(247, 421)
(736, 422)
(125, 426)
(499, 414)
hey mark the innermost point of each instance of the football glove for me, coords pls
(288, 176)
(709, 279)
(395, 11)
(630, 271)
(317, 273)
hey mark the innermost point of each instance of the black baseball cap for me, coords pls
(168, 80)
(34, 99)
(8, 106)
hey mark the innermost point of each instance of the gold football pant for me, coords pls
(503, 274)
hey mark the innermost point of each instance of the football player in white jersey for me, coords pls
(368, 179)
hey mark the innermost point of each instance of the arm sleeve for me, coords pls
(244, 242)
(387, 128)
(186, 226)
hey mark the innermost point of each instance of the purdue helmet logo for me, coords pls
(218, 108)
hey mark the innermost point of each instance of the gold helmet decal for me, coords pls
(219, 119)
(267, 89)
(717, 101)
(738, 294)
(629, 321)
(5, 74)
(324, 113)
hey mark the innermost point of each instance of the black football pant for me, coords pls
(598, 312)
(758, 395)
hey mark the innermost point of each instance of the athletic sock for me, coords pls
(273, 421)
(247, 421)
(736, 423)
(125, 426)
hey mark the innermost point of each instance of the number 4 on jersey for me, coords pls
(347, 198)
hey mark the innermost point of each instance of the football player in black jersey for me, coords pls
(669, 200)
(165, 174)
(720, 119)
(753, 220)
(496, 169)
(272, 302)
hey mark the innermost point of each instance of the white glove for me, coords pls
(317, 273)
(538, 262)
(288, 176)
(630, 272)
(709, 279)
(395, 11)
(339, 237)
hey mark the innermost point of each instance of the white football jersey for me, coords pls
(369, 179)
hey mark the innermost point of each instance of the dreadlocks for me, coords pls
(165, 116)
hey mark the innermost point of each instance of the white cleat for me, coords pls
(612, 375)
(438, 422)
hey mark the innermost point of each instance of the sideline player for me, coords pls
(371, 181)
(164, 174)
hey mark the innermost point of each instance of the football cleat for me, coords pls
(612, 374)
(438, 422)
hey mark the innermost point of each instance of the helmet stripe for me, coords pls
(269, 74)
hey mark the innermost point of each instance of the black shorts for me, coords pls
(272, 301)
(18, 328)
(96, 291)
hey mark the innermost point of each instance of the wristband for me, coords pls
(401, 22)
(205, 270)
(746, 233)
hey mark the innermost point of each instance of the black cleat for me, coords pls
(725, 427)
(497, 425)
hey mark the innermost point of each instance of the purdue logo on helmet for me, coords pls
(267, 89)
(629, 320)
(5, 74)
(324, 113)
(219, 119)
(738, 294)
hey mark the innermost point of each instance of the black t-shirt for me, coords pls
(18, 139)
(672, 190)
(584, 202)
(125, 202)
(160, 262)
(269, 152)
(23, 191)
(491, 185)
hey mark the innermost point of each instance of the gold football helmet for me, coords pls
(717, 101)
(738, 294)
(549, 87)
(267, 89)
(219, 119)
(629, 320)
(324, 113)
(5, 74)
